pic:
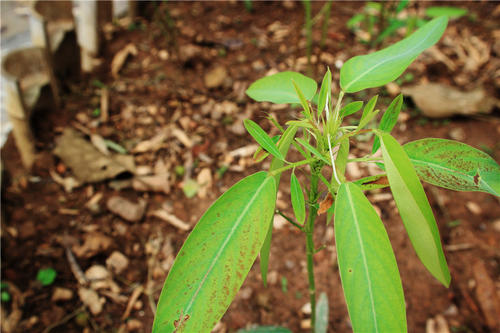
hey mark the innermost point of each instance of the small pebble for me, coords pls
(306, 309)
(474, 208)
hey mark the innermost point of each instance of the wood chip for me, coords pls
(104, 104)
(172, 219)
(120, 58)
(133, 298)
(486, 295)
(182, 137)
(91, 299)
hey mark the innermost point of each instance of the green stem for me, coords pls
(309, 231)
(326, 19)
(364, 159)
(292, 165)
(308, 25)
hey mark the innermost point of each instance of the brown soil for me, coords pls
(37, 214)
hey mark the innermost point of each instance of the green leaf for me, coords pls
(326, 90)
(451, 12)
(368, 268)
(283, 145)
(321, 323)
(216, 257)
(388, 120)
(384, 66)
(303, 100)
(278, 88)
(454, 165)
(414, 208)
(265, 329)
(5, 296)
(351, 108)
(367, 111)
(190, 187)
(258, 157)
(341, 160)
(262, 138)
(46, 276)
(298, 202)
(313, 150)
(300, 123)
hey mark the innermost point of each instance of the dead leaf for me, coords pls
(155, 183)
(486, 295)
(104, 104)
(120, 58)
(91, 299)
(325, 204)
(439, 100)
(95, 242)
(172, 219)
(99, 143)
(68, 183)
(126, 209)
(437, 325)
(86, 162)
(118, 262)
(182, 137)
(204, 179)
(152, 144)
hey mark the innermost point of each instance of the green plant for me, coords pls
(381, 19)
(46, 276)
(218, 254)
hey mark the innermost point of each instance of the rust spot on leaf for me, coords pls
(476, 179)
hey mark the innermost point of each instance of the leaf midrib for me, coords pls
(363, 255)
(223, 246)
(388, 59)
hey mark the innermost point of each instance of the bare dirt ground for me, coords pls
(176, 108)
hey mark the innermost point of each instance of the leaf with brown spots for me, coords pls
(217, 256)
(454, 165)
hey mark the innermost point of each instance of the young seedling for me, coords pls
(218, 254)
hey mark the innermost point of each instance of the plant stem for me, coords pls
(309, 231)
(308, 26)
(293, 165)
(326, 19)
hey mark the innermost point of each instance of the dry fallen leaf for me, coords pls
(95, 242)
(120, 58)
(126, 209)
(325, 204)
(91, 299)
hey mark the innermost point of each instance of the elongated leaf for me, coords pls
(262, 138)
(216, 257)
(321, 323)
(454, 165)
(278, 88)
(368, 268)
(381, 67)
(389, 119)
(259, 155)
(313, 150)
(298, 202)
(351, 108)
(367, 111)
(451, 12)
(414, 208)
(283, 146)
(300, 123)
(265, 329)
(303, 100)
(341, 160)
(325, 91)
